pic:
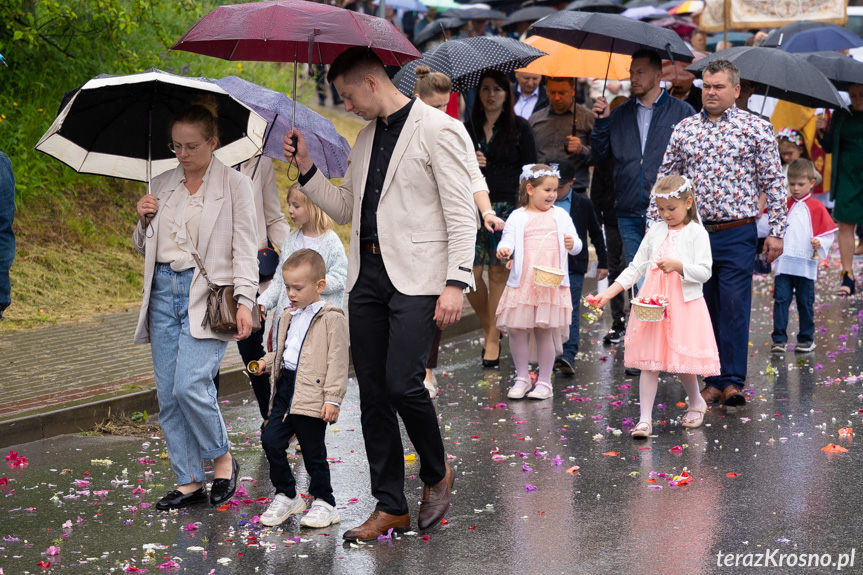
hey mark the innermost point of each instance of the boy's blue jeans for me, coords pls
(784, 287)
(570, 346)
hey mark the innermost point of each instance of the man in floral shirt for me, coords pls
(731, 156)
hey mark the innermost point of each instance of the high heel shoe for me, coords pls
(847, 287)
(489, 363)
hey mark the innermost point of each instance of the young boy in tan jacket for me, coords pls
(309, 375)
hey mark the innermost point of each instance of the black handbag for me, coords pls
(221, 313)
(268, 261)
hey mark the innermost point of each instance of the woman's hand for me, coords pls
(493, 223)
(567, 242)
(669, 265)
(480, 159)
(146, 208)
(244, 323)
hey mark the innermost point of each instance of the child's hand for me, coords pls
(669, 265)
(262, 367)
(503, 253)
(330, 413)
(601, 299)
(816, 244)
(601, 274)
(567, 242)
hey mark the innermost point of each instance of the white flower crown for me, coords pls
(684, 187)
(527, 173)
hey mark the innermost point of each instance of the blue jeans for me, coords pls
(632, 230)
(570, 346)
(7, 236)
(783, 288)
(728, 294)
(184, 368)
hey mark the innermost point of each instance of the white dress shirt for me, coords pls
(301, 319)
(525, 105)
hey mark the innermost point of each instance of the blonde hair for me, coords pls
(319, 221)
(678, 188)
(523, 198)
(430, 83)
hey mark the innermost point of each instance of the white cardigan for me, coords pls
(692, 245)
(513, 238)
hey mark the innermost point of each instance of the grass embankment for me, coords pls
(74, 257)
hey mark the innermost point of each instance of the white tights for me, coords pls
(649, 381)
(519, 347)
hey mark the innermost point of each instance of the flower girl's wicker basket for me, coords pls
(650, 312)
(546, 276)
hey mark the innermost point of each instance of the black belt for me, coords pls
(718, 227)
(371, 247)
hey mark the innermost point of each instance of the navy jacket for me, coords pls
(584, 217)
(617, 137)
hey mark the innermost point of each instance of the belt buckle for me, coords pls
(376, 249)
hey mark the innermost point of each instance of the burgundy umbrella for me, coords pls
(293, 31)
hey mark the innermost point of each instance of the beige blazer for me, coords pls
(226, 243)
(426, 215)
(268, 211)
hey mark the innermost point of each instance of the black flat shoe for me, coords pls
(223, 489)
(177, 499)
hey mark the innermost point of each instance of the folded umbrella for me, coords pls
(564, 61)
(779, 74)
(840, 69)
(465, 59)
(327, 148)
(808, 36)
(119, 126)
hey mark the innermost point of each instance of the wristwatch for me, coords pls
(487, 212)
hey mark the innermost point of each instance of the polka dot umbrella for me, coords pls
(464, 61)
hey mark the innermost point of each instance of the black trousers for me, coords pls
(391, 334)
(616, 265)
(310, 433)
(252, 348)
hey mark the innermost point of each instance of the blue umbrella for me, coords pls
(734, 38)
(412, 5)
(809, 36)
(327, 148)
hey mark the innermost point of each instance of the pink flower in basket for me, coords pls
(653, 299)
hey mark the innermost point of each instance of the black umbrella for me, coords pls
(840, 69)
(640, 3)
(611, 33)
(470, 13)
(606, 6)
(529, 14)
(119, 125)
(439, 26)
(464, 60)
(779, 74)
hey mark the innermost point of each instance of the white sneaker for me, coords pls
(281, 508)
(431, 386)
(321, 514)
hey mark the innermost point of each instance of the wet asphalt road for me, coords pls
(519, 504)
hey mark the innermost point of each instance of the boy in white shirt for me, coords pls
(808, 238)
(308, 382)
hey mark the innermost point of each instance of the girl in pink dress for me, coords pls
(676, 255)
(537, 233)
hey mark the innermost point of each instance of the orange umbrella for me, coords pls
(567, 62)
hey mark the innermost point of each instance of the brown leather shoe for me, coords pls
(378, 523)
(732, 397)
(710, 394)
(435, 501)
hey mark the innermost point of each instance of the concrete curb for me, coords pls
(82, 417)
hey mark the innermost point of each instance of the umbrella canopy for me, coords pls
(611, 33)
(687, 7)
(779, 74)
(293, 31)
(471, 13)
(639, 3)
(464, 61)
(680, 26)
(734, 38)
(412, 5)
(644, 13)
(606, 6)
(120, 125)
(327, 148)
(567, 62)
(441, 4)
(810, 36)
(840, 69)
(439, 26)
(529, 14)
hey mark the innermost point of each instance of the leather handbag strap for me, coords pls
(203, 270)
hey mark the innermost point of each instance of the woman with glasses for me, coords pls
(504, 144)
(201, 208)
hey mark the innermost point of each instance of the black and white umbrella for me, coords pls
(464, 61)
(119, 126)
(779, 74)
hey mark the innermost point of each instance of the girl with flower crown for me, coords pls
(676, 255)
(537, 233)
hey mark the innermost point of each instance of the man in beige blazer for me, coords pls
(407, 193)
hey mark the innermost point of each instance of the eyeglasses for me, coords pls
(190, 148)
